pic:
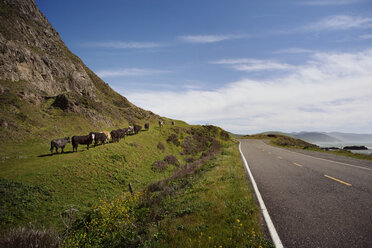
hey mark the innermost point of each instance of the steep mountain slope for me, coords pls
(44, 85)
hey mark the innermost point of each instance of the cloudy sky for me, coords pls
(247, 66)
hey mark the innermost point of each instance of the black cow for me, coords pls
(59, 143)
(147, 126)
(99, 137)
(125, 132)
(116, 135)
(83, 140)
(137, 128)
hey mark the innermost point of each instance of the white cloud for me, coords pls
(330, 2)
(339, 22)
(208, 38)
(129, 72)
(123, 45)
(329, 92)
(294, 50)
(365, 37)
(245, 64)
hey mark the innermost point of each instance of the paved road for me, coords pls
(313, 202)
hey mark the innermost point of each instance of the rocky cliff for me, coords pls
(37, 69)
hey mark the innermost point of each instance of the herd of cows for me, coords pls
(98, 137)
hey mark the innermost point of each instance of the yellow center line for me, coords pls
(338, 180)
(279, 157)
(299, 165)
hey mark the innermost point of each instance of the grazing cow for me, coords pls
(173, 123)
(59, 143)
(115, 135)
(124, 132)
(83, 140)
(118, 134)
(99, 137)
(161, 123)
(130, 129)
(108, 135)
(137, 128)
(147, 126)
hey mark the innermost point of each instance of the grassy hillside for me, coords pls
(22, 119)
(203, 200)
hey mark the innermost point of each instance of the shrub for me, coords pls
(170, 159)
(174, 139)
(190, 159)
(224, 135)
(188, 146)
(282, 140)
(200, 140)
(159, 165)
(28, 237)
(109, 224)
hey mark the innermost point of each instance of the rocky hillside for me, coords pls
(42, 82)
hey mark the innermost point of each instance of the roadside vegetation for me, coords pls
(289, 142)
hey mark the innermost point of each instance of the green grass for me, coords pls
(214, 209)
(80, 179)
(209, 205)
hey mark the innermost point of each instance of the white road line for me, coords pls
(299, 165)
(356, 166)
(274, 235)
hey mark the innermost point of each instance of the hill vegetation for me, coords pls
(199, 197)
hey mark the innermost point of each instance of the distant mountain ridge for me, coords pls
(352, 137)
(315, 137)
(328, 137)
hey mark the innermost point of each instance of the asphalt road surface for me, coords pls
(313, 202)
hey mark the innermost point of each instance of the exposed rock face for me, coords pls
(39, 74)
(31, 50)
(63, 102)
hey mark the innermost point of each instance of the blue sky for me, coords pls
(247, 66)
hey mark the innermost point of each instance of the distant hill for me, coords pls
(327, 137)
(352, 137)
(44, 87)
(315, 137)
(276, 132)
